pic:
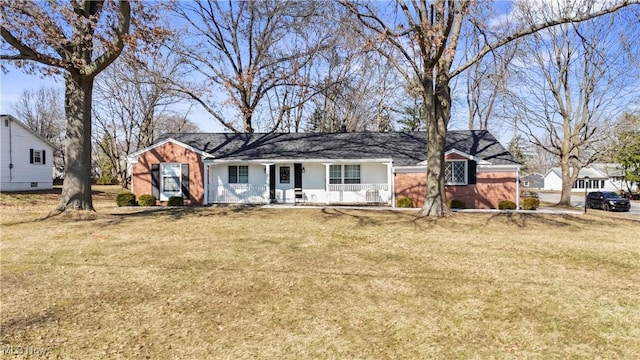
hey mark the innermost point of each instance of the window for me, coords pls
(38, 157)
(335, 174)
(455, 172)
(285, 175)
(352, 174)
(344, 174)
(171, 177)
(238, 174)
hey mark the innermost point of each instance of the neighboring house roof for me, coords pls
(556, 171)
(591, 171)
(3, 117)
(532, 176)
(405, 148)
(609, 169)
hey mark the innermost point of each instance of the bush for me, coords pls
(175, 201)
(106, 180)
(405, 202)
(456, 204)
(146, 200)
(530, 203)
(506, 205)
(126, 199)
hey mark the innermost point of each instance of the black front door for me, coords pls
(272, 183)
(297, 176)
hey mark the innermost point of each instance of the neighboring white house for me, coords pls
(27, 158)
(601, 176)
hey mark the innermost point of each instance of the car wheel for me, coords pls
(605, 207)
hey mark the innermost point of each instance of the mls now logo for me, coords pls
(24, 350)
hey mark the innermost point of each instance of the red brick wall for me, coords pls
(490, 189)
(170, 152)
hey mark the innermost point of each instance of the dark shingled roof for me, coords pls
(405, 148)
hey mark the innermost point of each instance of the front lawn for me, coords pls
(316, 283)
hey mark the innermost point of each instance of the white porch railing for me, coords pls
(239, 193)
(336, 193)
(359, 193)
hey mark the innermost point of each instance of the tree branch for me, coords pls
(116, 46)
(487, 48)
(25, 52)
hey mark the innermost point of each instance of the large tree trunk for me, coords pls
(435, 202)
(569, 176)
(76, 191)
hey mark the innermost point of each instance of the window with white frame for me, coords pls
(335, 174)
(352, 174)
(171, 178)
(37, 157)
(344, 174)
(455, 172)
(238, 174)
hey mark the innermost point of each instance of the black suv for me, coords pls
(607, 200)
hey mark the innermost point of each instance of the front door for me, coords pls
(297, 182)
(272, 183)
(297, 176)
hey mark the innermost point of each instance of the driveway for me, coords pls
(578, 201)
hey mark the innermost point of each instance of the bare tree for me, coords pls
(247, 49)
(487, 78)
(421, 39)
(42, 111)
(345, 101)
(134, 105)
(574, 76)
(79, 39)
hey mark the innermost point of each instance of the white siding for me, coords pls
(314, 182)
(552, 181)
(373, 173)
(16, 143)
(255, 191)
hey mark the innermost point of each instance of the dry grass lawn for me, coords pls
(243, 283)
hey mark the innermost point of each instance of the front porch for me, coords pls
(293, 183)
(336, 194)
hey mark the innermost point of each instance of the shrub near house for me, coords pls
(146, 200)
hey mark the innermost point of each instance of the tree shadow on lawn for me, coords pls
(31, 320)
(556, 220)
(384, 217)
(179, 212)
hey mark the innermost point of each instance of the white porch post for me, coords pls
(518, 188)
(207, 181)
(206, 184)
(267, 172)
(326, 183)
(391, 184)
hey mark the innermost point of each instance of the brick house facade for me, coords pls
(169, 153)
(322, 168)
